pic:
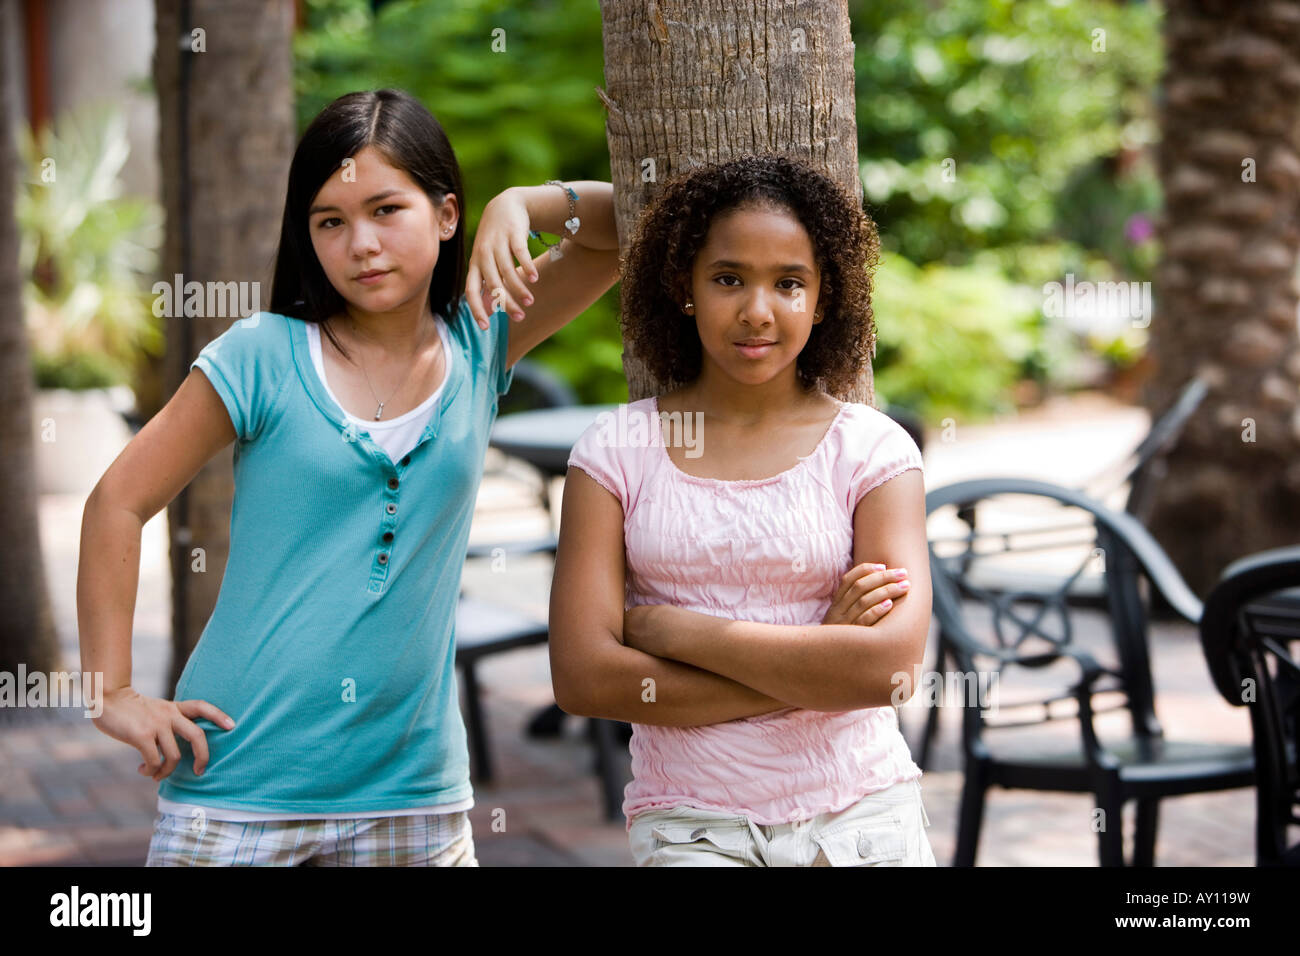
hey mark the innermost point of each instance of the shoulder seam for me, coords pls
(286, 369)
(888, 476)
(586, 470)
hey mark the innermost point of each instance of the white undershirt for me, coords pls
(397, 437)
(247, 816)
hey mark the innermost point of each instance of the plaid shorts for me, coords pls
(439, 839)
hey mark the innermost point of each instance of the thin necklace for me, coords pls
(380, 410)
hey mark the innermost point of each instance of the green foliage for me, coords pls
(1013, 93)
(588, 353)
(75, 370)
(951, 340)
(525, 114)
(1113, 211)
(86, 253)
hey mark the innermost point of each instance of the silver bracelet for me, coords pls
(570, 225)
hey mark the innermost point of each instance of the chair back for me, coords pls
(1149, 468)
(1248, 633)
(1011, 586)
(1145, 467)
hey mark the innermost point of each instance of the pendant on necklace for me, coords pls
(379, 411)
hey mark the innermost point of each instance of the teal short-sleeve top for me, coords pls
(332, 641)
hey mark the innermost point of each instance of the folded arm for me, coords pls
(594, 673)
(820, 667)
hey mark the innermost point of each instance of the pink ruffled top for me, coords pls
(770, 550)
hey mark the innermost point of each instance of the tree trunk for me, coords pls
(226, 138)
(689, 82)
(1230, 165)
(27, 634)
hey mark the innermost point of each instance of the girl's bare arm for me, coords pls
(593, 673)
(157, 463)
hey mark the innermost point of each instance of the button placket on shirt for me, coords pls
(388, 523)
(387, 529)
(391, 474)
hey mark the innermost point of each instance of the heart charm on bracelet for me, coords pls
(572, 225)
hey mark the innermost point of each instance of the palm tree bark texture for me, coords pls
(227, 132)
(27, 634)
(1226, 295)
(690, 82)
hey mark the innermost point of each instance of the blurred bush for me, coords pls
(956, 339)
(86, 253)
(975, 117)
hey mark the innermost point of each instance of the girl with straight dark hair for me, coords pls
(316, 721)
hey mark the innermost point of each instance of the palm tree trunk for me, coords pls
(701, 81)
(1230, 166)
(27, 634)
(226, 137)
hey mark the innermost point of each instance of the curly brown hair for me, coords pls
(656, 271)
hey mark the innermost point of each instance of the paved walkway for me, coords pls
(70, 795)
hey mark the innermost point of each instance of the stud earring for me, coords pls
(686, 308)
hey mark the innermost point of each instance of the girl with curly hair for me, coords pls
(719, 582)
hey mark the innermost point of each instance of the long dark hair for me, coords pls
(399, 126)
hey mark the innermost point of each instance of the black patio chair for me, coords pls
(1142, 471)
(1020, 623)
(1248, 632)
(534, 387)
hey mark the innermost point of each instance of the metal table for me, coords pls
(544, 438)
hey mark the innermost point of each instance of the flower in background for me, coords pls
(1138, 229)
